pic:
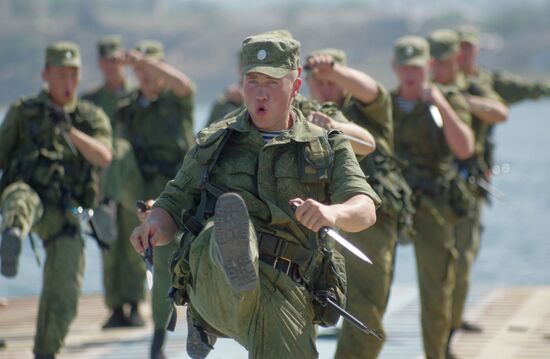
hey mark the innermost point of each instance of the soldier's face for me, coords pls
(268, 99)
(149, 84)
(468, 54)
(445, 71)
(324, 91)
(62, 83)
(411, 78)
(111, 68)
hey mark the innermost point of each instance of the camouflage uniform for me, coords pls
(160, 132)
(468, 229)
(369, 285)
(123, 269)
(262, 326)
(43, 183)
(429, 172)
(223, 106)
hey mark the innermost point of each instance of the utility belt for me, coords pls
(453, 188)
(283, 255)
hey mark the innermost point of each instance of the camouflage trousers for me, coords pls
(468, 238)
(64, 266)
(368, 287)
(125, 184)
(123, 268)
(273, 320)
(436, 254)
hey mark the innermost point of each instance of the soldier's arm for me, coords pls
(486, 109)
(359, 84)
(458, 134)
(8, 135)
(361, 140)
(353, 215)
(513, 88)
(91, 149)
(176, 81)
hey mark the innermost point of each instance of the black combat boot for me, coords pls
(135, 319)
(157, 344)
(10, 249)
(470, 327)
(199, 342)
(117, 319)
(40, 356)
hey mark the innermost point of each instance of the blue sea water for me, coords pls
(516, 239)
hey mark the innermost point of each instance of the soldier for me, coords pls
(158, 123)
(52, 147)
(123, 269)
(511, 88)
(365, 103)
(431, 129)
(252, 261)
(487, 109)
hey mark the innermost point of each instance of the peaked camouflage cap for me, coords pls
(443, 43)
(338, 55)
(469, 34)
(271, 55)
(411, 51)
(152, 49)
(108, 46)
(63, 53)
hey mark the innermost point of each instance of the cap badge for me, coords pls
(409, 50)
(261, 55)
(68, 55)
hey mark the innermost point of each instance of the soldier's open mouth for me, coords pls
(261, 110)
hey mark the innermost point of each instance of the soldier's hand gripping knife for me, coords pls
(326, 297)
(148, 254)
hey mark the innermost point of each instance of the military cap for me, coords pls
(109, 46)
(469, 34)
(411, 51)
(443, 43)
(339, 56)
(271, 55)
(63, 53)
(151, 48)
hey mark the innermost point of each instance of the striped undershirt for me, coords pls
(269, 135)
(405, 105)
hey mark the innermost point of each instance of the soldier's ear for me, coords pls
(296, 86)
(44, 74)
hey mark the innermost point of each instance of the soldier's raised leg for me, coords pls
(21, 208)
(226, 291)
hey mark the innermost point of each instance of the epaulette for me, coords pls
(210, 134)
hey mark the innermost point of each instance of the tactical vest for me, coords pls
(323, 266)
(44, 161)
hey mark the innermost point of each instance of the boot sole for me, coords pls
(10, 248)
(231, 231)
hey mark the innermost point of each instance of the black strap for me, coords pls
(274, 246)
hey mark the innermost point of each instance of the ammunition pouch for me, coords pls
(387, 180)
(454, 189)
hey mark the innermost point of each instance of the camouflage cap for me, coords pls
(109, 46)
(443, 44)
(63, 53)
(339, 56)
(271, 55)
(151, 49)
(411, 51)
(469, 34)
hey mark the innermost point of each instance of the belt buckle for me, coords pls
(286, 260)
